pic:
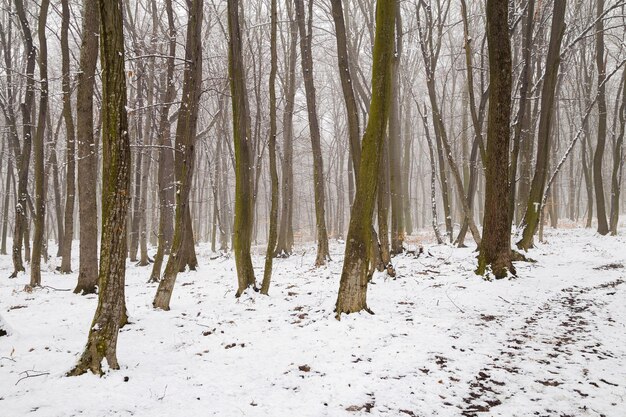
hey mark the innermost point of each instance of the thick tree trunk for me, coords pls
(495, 248)
(352, 295)
(110, 313)
(306, 35)
(184, 159)
(87, 152)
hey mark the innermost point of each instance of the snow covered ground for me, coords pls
(443, 342)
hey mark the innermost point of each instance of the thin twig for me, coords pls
(29, 375)
(506, 301)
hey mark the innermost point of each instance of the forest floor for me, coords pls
(443, 342)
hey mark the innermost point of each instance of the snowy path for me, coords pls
(442, 343)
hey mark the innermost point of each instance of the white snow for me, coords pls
(443, 342)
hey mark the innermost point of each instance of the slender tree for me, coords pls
(598, 156)
(306, 36)
(87, 152)
(70, 178)
(285, 231)
(272, 237)
(20, 235)
(553, 59)
(38, 150)
(184, 159)
(244, 186)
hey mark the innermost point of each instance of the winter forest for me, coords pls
(312, 207)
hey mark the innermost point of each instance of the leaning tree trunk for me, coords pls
(244, 186)
(87, 153)
(495, 247)
(38, 150)
(352, 296)
(533, 208)
(110, 313)
(70, 178)
(184, 160)
(306, 36)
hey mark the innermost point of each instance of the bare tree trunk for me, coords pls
(7, 201)
(272, 235)
(38, 150)
(87, 152)
(110, 313)
(352, 295)
(68, 233)
(495, 248)
(184, 160)
(23, 157)
(244, 186)
(166, 157)
(306, 35)
(618, 161)
(285, 233)
(395, 147)
(433, 178)
(533, 208)
(522, 112)
(603, 227)
(352, 112)
(383, 204)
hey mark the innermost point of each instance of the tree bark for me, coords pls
(352, 295)
(553, 59)
(110, 313)
(522, 112)
(38, 150)
(184, 159)
(285, 234)
(23, 157)
(306, 35)
(87, 152)
(603, 227)
(618, 161)
(272, 234)
(70, 178)
(244, 186)
(495, 248)
(166, 157)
